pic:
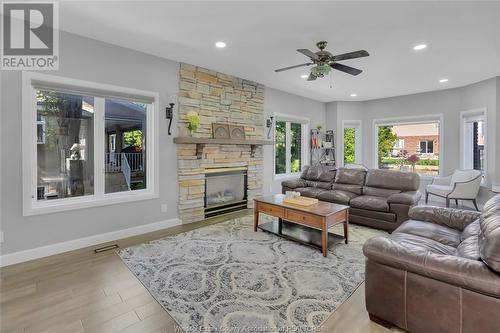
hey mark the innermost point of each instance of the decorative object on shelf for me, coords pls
(169, 114)
(220, 131)
(322, 147)
(269, 125)
(193, 121)
(237, 132)
(75, 151)
(319, 127)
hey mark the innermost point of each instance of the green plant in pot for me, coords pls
(193, 121)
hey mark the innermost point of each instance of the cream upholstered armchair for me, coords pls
(461, 185)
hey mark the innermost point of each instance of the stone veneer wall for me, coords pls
(218, 98)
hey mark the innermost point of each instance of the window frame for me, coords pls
(304, 144)
(31, 206)
(358, 137)
(426, 146)
(480, 114)
(439, 118)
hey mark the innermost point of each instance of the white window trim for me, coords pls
(481, 114)
(358, 127)
(29, 152)
(439, 117)
(305, 144)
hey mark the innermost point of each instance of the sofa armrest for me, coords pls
(294, 183)
(409, 198)
(458, 271)
(453, 218)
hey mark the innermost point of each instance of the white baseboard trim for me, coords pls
(75, 244)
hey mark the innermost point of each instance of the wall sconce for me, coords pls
(170, 116)
(269, 125)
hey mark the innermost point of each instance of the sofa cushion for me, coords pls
(379, 192)
(469, 248)
(294, 183)
(356, 189)
(337, 196)
(422, 243)
(436, 232)
(372, 214)
(350, 176)
(318, 173)
(370, 202)
(323, 185)
(403, 181)
(311, 192)
(470, 230)
(489, 235)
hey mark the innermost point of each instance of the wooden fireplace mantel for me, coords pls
(201, 142)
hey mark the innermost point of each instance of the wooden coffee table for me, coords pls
(320, 216)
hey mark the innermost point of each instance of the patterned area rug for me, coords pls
(228, 278)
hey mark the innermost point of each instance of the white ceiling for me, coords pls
(463, 40)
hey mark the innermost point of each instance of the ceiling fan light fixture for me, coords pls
(321, 70)
(220, 45)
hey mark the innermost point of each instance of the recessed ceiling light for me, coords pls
(419, 47)
(220, 44)
(354, 95)
(304, 76)
(443, 80)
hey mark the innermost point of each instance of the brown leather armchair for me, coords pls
(437, 272)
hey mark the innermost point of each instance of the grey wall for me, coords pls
(447, 102)
(276, 101)
(91, 60)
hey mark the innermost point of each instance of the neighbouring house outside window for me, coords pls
(396, 142)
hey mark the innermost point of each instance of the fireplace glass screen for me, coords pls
(225, 190)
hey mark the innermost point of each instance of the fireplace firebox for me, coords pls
(225, 190)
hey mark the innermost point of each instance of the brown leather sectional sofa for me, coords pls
(437, 272)
(377, 198)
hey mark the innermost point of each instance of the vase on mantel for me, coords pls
(193, 122)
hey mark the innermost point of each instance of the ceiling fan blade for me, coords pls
(291, 67)
(309, 53)
(351, 55)
(311, 77)
(346, 69)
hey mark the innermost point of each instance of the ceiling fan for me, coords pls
(325, 61)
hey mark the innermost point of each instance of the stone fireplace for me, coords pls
(218, 98)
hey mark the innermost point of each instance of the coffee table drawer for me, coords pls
(272, 210)
(303, 218)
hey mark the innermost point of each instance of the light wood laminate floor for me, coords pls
(81, 291)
